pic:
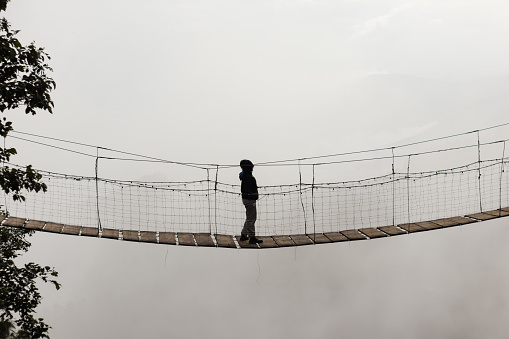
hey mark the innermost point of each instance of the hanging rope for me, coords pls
(5, 193)
(302, 202)
(313, 203)
(393, 190)
(500, 186)
(99, 226)
(408, 188)
(140, 157)
(215, 198)
(479, 169)
(208, 201)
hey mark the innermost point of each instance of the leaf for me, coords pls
(17, 43)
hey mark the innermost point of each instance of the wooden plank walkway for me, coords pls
(274, 241)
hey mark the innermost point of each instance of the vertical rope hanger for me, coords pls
(313, 203)
(208, 200)
(500, 188)
(215, 198)
(408, 187)
(5, 193)
(302, 202)
(99, 226)
(479, 169)
(393, 190)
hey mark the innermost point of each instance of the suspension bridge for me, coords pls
(421, 186)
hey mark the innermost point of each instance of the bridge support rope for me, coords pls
(441, 185)
(99, 227)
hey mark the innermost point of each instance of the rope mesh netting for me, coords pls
(208, 206)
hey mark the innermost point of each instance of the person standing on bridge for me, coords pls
(249, 191)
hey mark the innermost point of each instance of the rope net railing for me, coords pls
(213, 207)
(410, 187)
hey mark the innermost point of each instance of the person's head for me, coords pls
(246, 165)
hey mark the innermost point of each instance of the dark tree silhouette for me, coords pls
(23, 83)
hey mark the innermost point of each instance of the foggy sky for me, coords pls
(218, 81)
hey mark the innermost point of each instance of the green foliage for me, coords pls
(23, 82)
(6, 329)
(3, 4)
(13, 180)
(23, 74)
(19, 295)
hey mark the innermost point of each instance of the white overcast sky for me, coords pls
(232, 79)
(217, 81)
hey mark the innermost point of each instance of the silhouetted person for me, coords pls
(249, 191)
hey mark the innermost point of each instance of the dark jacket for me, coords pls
(248, 187)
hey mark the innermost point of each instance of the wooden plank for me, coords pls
(35, 225)
(245, 243)
(109, 233)
(301, 239)
(372, 233)
(71, 230)
(2, 217)
(391, 230)
(283, 240)
(204, 239)
(481, 216)
(90, 231)
(167, 238)
(225, 241)
(498, 213)
(129, 235)
(53, 227)
(454, 221)
(353, 235)
(319, 238)
(412, 228)
(147, 236)
(186, 239)
(462, 220)
(268, 242)
(429, 225)
(505, 209)
(335, 236)
(15, 222)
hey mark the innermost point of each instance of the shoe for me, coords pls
(255, 240)
(243, 238)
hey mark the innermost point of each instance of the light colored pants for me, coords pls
(249, 225)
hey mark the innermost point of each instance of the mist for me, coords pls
(219, 81)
